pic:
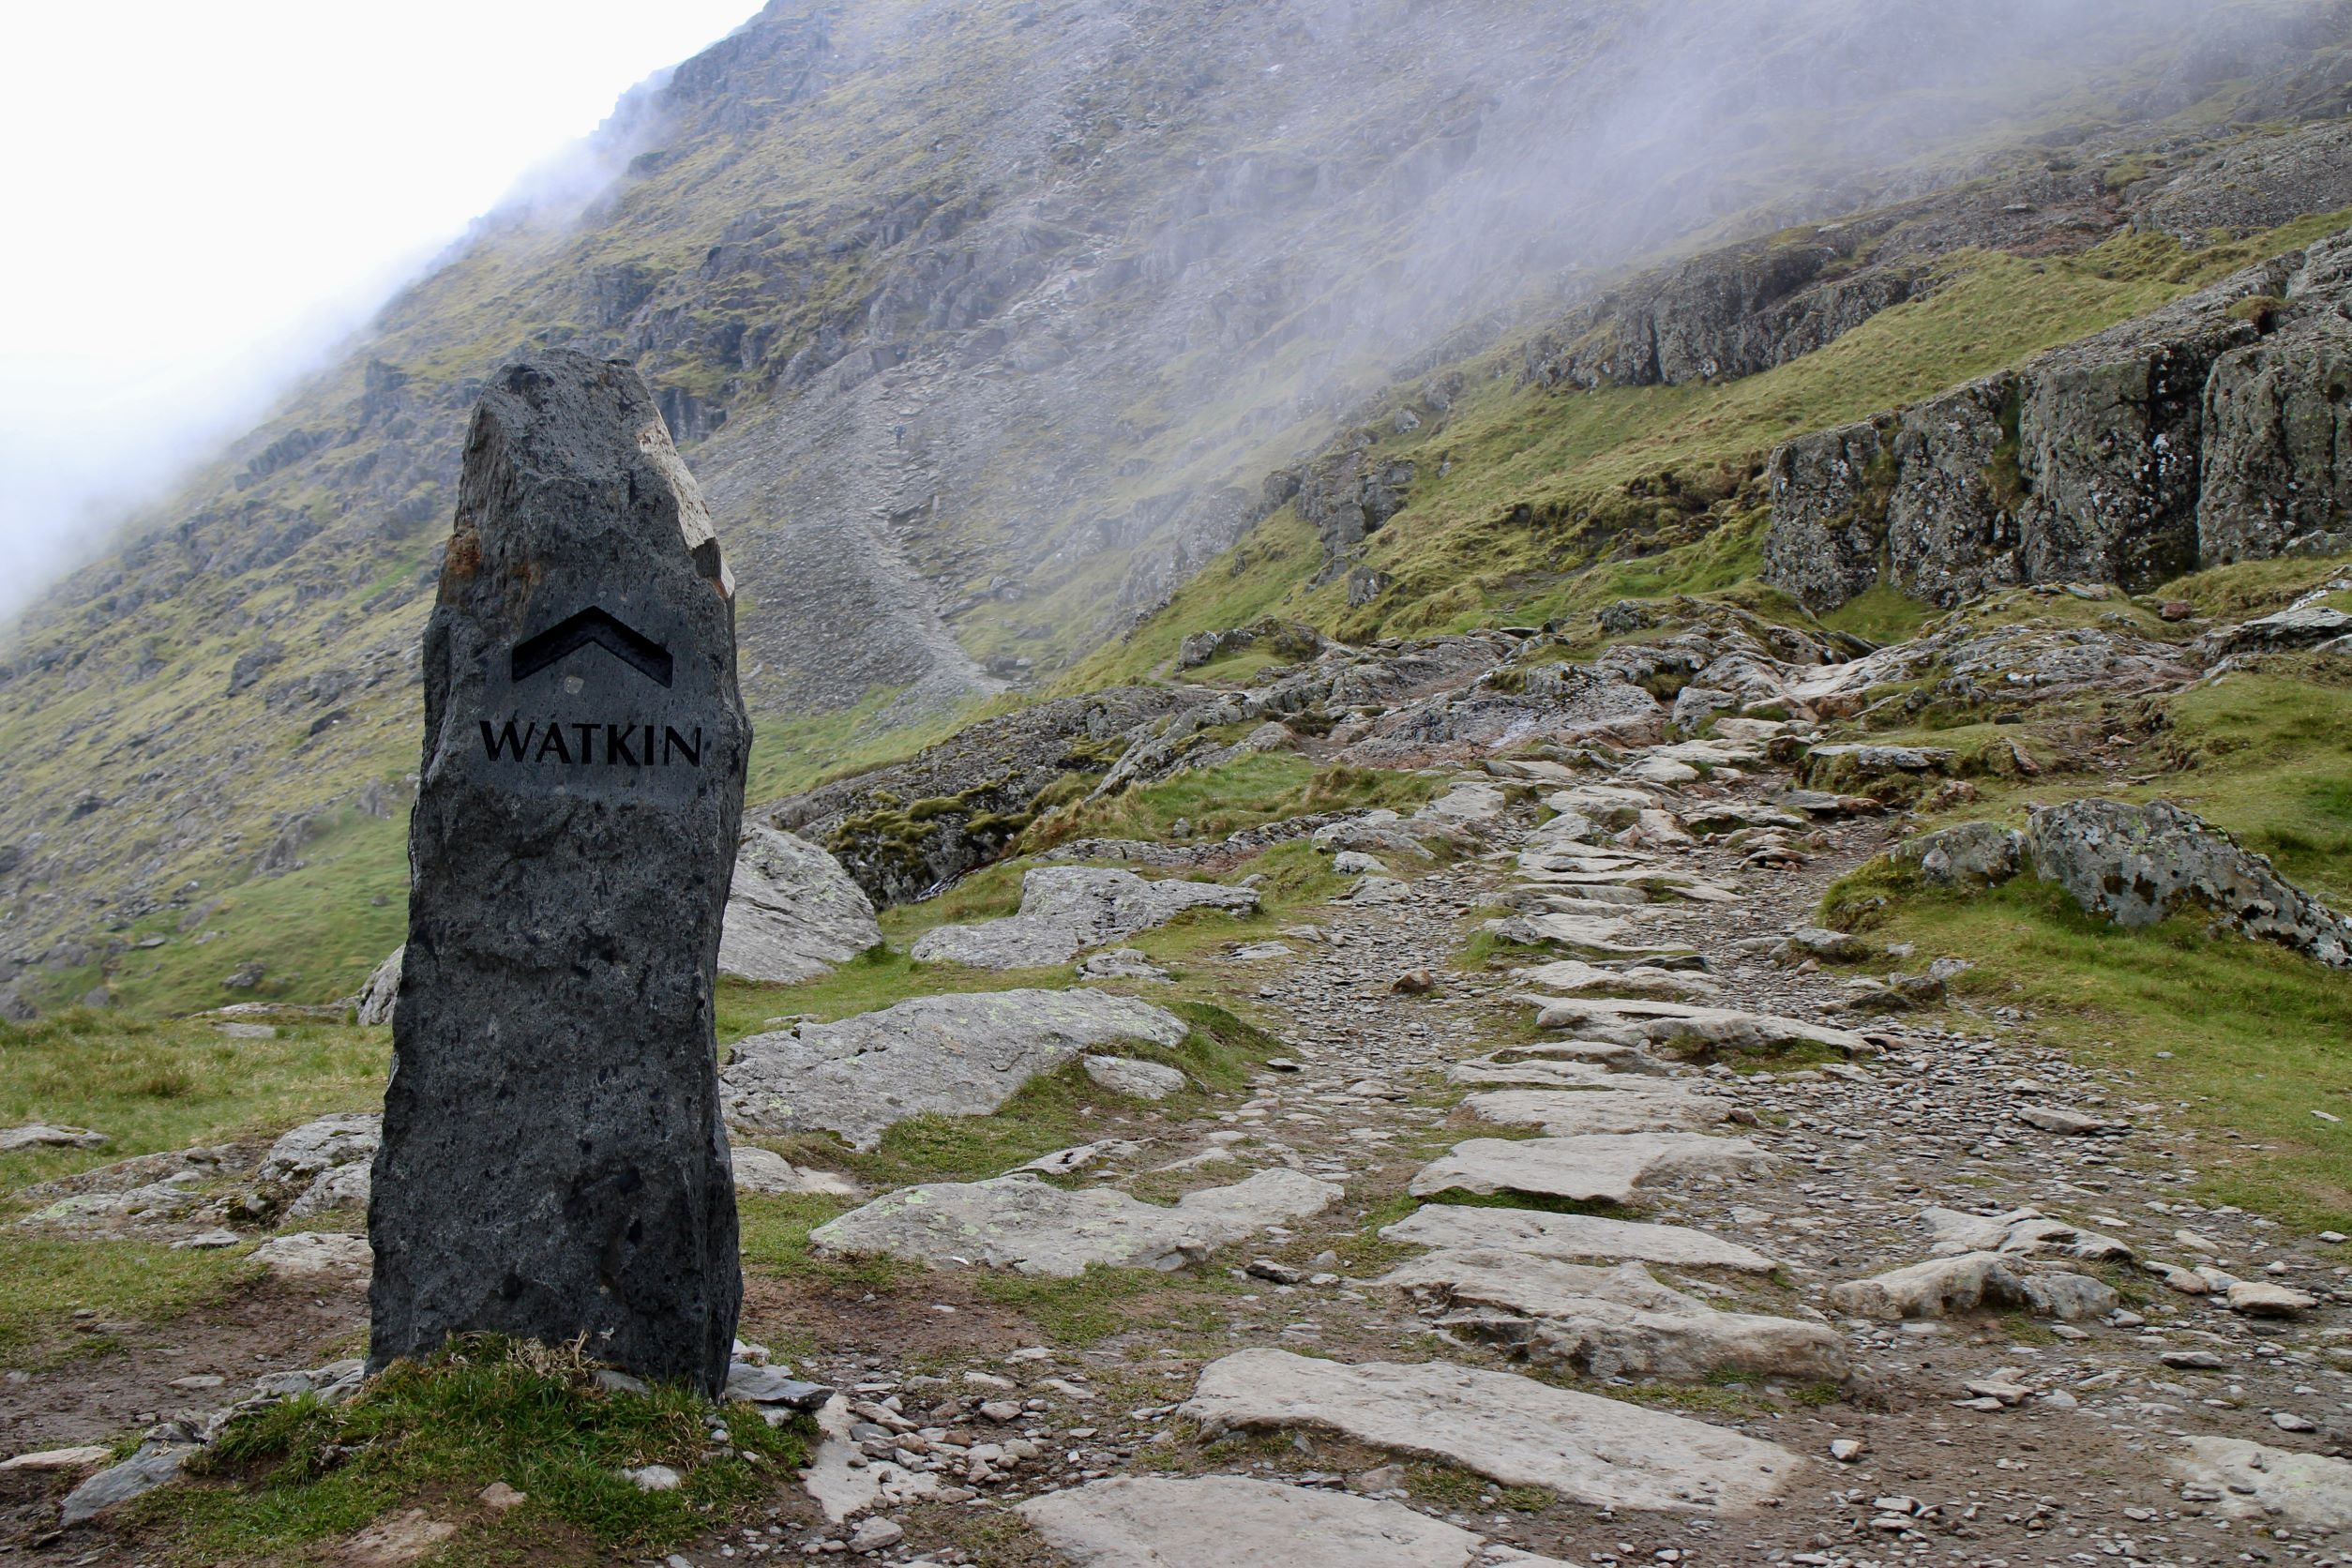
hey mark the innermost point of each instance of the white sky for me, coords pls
(202, 195)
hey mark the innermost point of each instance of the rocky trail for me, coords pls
(1939, 1296)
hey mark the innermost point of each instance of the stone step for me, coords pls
(1216, 1521)
(1508, 1428)
(1602, 1167)
(1534, 1233)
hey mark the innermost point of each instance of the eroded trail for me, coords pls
(1659, 1247)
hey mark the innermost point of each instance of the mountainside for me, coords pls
(987, 328)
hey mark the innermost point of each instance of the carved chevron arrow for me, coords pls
(599, 627)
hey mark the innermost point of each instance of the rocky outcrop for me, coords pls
(2207, 431)
(793, 913)
(2137, 866)
(1067, 909)
(373, 1006)
(904, 830)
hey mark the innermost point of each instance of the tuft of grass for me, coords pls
(484, 1410)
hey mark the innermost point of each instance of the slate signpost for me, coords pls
(554, 1162)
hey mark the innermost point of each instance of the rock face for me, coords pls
(2189, 436)
(1067, 909)
(1018, 1222)
(793, 913)
(935, 1055)
(2138, 864)
(554, 1162)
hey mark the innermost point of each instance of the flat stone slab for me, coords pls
(1508, 1428)
(1641, 980)
(36, 1135)
(943, 1055)
(793, 913)
(1534, 1233)
(1659, 1023)
(1604, 1168)
(1031, 1226)
(1215, 1521)
(2255, 1482)
(1571, 1112)
(155, 1465)
(1590, 933)
(1555, 1065)
(1615, 1322)
(1067, 909)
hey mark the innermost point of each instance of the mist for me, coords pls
(261, 176)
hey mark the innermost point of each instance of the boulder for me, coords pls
(935, 1055)
(1601, 1453)
(2309, 626)
(313, 1252)
(1971, 854)
(1031, 1226)
(1973, 1282)
(38, 1135)
(156, 1464)
(793, 913)
(1067, 909)
(373, 1006)
(2137, 865)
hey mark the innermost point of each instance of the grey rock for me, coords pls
(1601, 1167)
(1124, 963)
(1681, 1028)
(314, 1252)
(320, 1164)
(1020, 1223)
(1066, 909)
(1973, 1282)
(2139, 864)
(2254, 1481)
(1138, 1081)
(939, 1055)
(1617, 1322)
(2287, 630)
(156, 1464)
(1212, 1520)
(1600, 1452)
(774, 1385)
(36, 1135)
(1572, 1238)
(770, 1174)
(554, 1162)
(793, 913)
(1971, 854)
(372, 1007)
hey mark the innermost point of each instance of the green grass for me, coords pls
(1247, 792)
(124, 1284)
(153, 1086)
(436, 1434)
(1105, 1302)
(2246, 1038)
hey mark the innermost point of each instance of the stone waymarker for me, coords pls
(554, 1162)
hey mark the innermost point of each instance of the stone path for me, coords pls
(1871, 1306)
